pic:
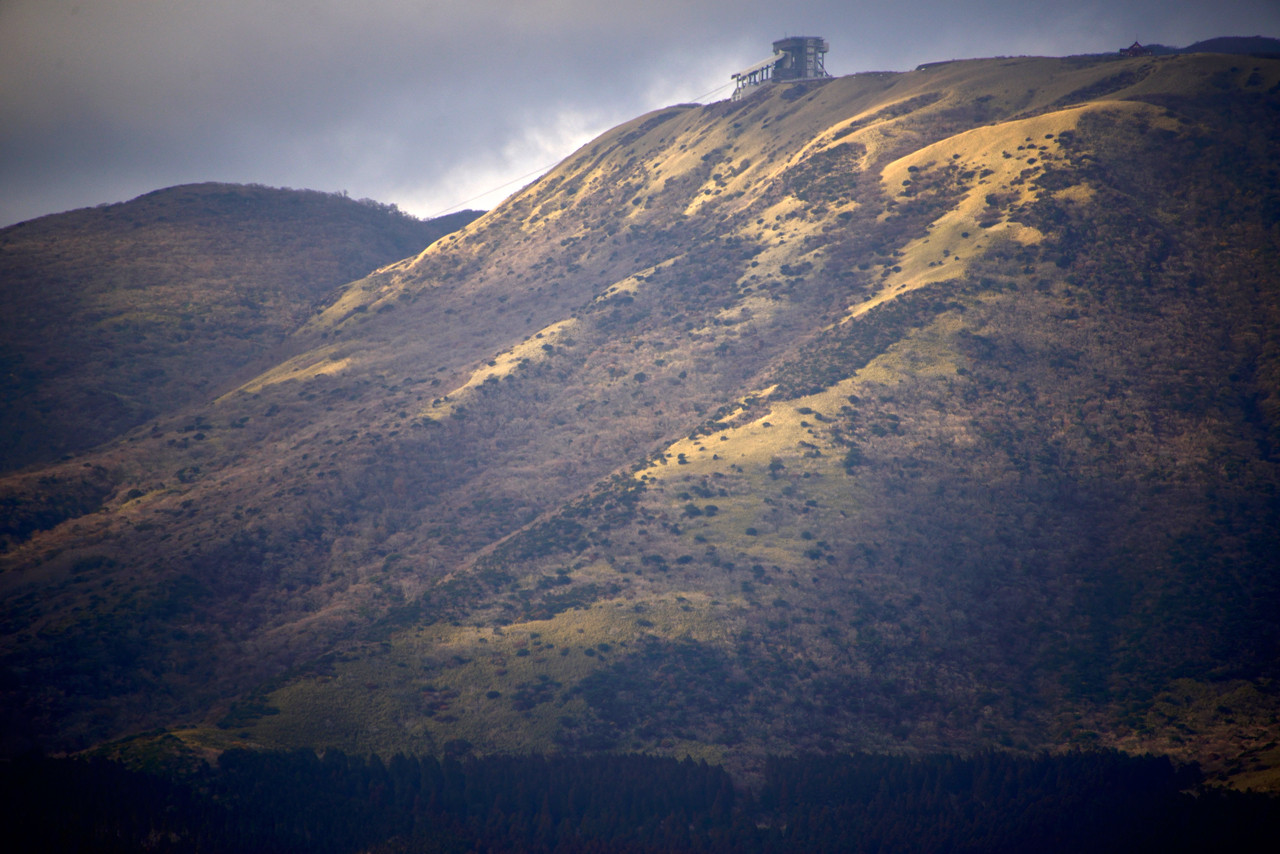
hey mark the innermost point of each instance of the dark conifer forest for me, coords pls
(334, 804)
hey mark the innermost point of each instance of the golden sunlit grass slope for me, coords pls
(118, 313)
(898, 411)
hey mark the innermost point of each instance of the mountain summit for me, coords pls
(898, 411)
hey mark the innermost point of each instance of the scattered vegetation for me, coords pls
(908, 414)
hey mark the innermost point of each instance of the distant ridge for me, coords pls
(1239, 45)
(1251, 45)
(119, 312)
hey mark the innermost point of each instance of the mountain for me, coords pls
(1239, 45)
(121, 312)
(1245, 45)
(900, 412)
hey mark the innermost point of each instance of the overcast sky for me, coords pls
(430, 104)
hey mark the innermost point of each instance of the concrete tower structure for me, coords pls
(794, 58)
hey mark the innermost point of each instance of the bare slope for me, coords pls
(904, 411)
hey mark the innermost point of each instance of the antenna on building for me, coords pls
(794, 58)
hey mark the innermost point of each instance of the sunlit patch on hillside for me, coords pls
(793, 436)
(631, 285)
(323, 362)
(498, 688)
(535, 348)
(999, 164)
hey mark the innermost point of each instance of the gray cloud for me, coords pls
(430, 103)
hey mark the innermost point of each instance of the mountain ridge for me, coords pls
(195, 281)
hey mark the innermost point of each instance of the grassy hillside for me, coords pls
(898, 412)
(119, 313)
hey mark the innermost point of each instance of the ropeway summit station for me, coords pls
(795, 58)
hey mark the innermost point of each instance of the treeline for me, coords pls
(284, 802)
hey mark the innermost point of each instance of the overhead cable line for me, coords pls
(544, 169)
(540, 170)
